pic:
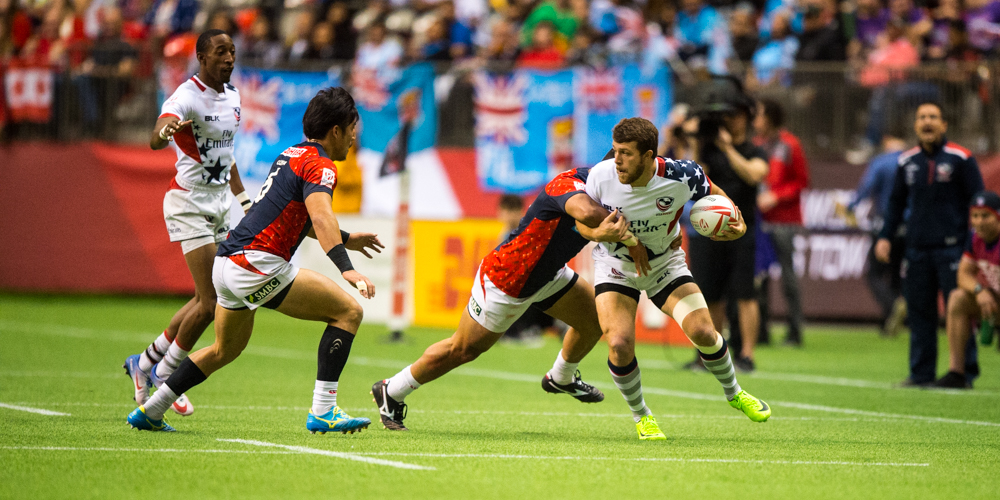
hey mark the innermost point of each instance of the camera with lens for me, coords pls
(719, 98)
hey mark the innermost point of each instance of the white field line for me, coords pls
(45, 374)
(34, 410)
(149, 450)
(368, 456)
(645, 459)
(495, 374)
(328, 453)
(486, 412)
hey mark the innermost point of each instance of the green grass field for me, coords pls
(487, 430)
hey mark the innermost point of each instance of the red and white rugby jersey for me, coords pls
(653, 210)
(204, 148)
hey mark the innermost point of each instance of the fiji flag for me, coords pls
(396, 151)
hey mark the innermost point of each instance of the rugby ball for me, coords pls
(711, 214)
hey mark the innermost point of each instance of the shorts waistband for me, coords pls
(190, 186)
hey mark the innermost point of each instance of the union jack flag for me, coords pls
(601, 90)
(501, 111)
(369, 90)
(260, 110)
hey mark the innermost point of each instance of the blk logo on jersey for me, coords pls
(212, 118)
(664, 204)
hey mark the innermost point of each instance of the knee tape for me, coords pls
(687, 305)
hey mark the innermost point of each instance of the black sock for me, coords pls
(186, 376)
(334, 348)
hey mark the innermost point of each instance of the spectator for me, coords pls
(630, 30)
(936, 183)
(703, 36)
(437, 44)
(918, 24)
(171, 17)
(773, 62)
(975, 297)
(939, 40)
(260, 45)
(724, 270)
(744, 32)
(892, 90)
(345, 37)
(870, 21)
(103, 78)
(458, 34)
(221, 19)
(883, 279)
(15, 28)
(320, 43)
(542, 53)
(821, 38)
(379, 55)
(780, 203)
(559, 15)
(503, 44)
(982, 20)
(298, 41)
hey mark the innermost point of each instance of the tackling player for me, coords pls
(651, 192)
(527, 270)
(200, 119)
(252, 269)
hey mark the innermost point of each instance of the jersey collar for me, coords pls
(319, 148)
(205, 88)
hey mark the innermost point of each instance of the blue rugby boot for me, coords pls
(335, 420)
(139, 421)
(140, 380)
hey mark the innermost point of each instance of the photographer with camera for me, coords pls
(723, 146)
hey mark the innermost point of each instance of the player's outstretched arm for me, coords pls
(318, 204)
(163, 132)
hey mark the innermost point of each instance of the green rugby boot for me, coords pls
(755, 409)
(648, 429)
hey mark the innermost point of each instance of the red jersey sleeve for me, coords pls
(318, 174)
(565, 185)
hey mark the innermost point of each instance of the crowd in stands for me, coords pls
(762, 40)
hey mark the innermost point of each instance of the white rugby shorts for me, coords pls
(496, 310)
(197, 212)
(239, 288)
(666, 269)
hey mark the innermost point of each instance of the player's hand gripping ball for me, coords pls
(711, 214)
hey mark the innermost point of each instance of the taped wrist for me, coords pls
(344, 235)
(164, 136)
(338, 255)
(243, 199)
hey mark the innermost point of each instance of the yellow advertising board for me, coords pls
(447, 255)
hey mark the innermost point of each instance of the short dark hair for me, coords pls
(930, 102)
(331, 107)
(511, 202)
(205, 40)
(774, 112)
(638, 130)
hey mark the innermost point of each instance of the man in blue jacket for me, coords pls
(934, 182)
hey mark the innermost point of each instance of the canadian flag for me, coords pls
(29, 92)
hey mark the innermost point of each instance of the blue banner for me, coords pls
(384, 105)
(603, 97)
(272, 105)
(524, 128)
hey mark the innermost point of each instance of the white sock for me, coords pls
(402, 384)
(160, 402)
(562, 371)
(154, 353)
(324, 397)
(170, 361)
